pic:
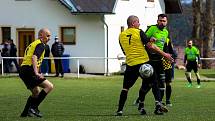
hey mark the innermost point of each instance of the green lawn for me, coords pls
(96, 99)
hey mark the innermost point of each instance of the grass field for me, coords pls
(96, 99)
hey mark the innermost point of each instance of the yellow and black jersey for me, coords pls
(166, 64)
(132, 42)
(35, 48)
(168, 48)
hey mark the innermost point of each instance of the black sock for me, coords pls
(36, 101)
(141, 105)
(123, 97)
(168, 92)
(41, 97)
(156, 93)
(27, 106)
(189, 80)
(137, 100)
(198, 81)
(162, 93)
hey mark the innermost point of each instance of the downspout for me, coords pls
(103, 21)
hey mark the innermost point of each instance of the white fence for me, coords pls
(120, 59)
(76, 58)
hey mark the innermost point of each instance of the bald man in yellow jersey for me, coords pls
(29, 73)
(133, 42)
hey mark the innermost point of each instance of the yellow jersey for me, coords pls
(35, 48)
(132, 42)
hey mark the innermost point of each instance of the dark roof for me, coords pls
(90, 6)
(173, 6)
(108, 6)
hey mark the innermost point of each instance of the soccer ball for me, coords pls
(146, 70)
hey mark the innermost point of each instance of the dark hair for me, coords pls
(162, 15)
(188, 40)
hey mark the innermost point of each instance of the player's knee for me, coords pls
(35, 95)
(35, 92)
(50, 87)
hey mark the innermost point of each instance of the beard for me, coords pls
(161, 27)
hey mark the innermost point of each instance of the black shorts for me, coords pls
(192, 65)
(168, 75)
(158, 70)
(131, 75)
(26, 73)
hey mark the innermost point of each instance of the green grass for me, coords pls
(96, 99)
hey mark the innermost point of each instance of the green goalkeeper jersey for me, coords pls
(192, 53)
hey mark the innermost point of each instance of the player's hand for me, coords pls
(199, 65)
(152, 39)
(185, 64)
(40, 75)
(169, 57)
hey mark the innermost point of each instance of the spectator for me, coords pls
(57, 51)
(45, 63)
(13, 51)
(6, 53)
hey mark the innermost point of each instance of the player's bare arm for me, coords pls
(157, 50)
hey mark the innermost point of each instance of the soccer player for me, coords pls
(167, 66)
(192, 62)
(133, 42)
(29, 73)
(161, 34)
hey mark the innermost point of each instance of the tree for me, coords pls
(203, 30)
(208, 32)
(197, 10)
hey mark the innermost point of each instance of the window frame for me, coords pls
(5, 36)
(62, 35)
(151, 1)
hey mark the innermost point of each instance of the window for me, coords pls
(150, 0)
(6, 33)
(150, 4)
(68, 35)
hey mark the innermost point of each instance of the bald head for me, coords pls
(133, 22)
(44, 35)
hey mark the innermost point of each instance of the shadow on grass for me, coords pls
(209, 75)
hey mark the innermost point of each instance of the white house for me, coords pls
(88, 28)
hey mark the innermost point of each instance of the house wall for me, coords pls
(52, 14)
(147, 13)
(91, 33)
